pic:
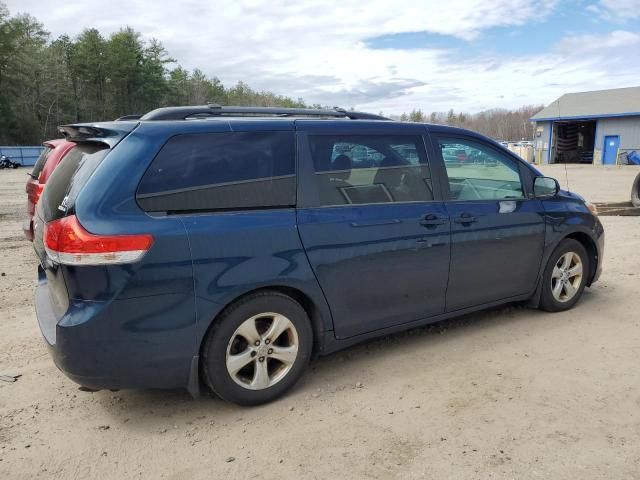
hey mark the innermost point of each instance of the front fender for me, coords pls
(567, 216)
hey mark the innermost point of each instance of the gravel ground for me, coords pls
(506, 393)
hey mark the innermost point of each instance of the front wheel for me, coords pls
(565, 276)
(257, 349)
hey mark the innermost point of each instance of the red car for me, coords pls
(54, 151)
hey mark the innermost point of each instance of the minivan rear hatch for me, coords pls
(94, 142)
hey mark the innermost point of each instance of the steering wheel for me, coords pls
(473, 188)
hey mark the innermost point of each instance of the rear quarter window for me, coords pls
(221, 171)
(68, 178)
(41, 161)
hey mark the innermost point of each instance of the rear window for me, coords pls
(69, 177)
(221, 171)
(362, 169)
(41, 161)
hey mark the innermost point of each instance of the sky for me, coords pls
(381, 55)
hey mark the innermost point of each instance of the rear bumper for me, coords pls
(118, 344)
(45, 314)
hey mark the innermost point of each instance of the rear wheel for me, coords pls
(565, 276)
(258, 349)
(635, 192)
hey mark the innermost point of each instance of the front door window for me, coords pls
(478, 172)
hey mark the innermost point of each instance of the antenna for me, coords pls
(566, 171)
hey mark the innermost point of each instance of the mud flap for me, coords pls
(193, 387)
(534, 301)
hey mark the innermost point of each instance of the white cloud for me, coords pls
(592, 43)
(317, 51)
(617, 10)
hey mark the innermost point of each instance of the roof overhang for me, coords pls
(585, 117)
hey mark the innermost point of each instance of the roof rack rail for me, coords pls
(213, 110)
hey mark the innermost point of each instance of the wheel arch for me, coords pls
(314, 313)
(585, 240)
(590, 245)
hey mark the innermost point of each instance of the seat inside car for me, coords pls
(341, 168)
(340, 171)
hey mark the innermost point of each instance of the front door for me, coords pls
(497, 233)
(376, 239)
(611, 145)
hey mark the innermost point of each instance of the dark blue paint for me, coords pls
(238, 252)
(361, 271)
(497, 256)
(377, 264)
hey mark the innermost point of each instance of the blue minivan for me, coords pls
(222, 247)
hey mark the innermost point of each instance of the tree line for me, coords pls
(46, 82)
(499, 124)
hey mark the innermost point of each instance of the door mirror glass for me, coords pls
(545, 187)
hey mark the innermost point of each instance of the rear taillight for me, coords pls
(67, 242)
(34, 191)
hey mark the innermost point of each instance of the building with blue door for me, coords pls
(599, 127)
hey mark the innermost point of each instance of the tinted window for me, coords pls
(360, 169)
(478, 172)
(214, 171)
(68, 178)
(41, 161)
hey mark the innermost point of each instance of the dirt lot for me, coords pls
(600, 184)
(507, 393)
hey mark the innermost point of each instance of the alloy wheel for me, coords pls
(262, 351)
(566, 277)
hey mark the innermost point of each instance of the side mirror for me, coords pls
(545, 187)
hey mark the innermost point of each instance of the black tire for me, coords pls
(548, 301)
(635, 192)
(214, 350)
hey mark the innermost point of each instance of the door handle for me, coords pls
(432, 220)
(375, 223)
(465, 218)
(425, 243)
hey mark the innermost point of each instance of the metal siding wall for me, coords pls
(541, 153)
(26, 156)
(628, 128)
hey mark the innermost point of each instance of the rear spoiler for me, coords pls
(126, 118)
(109, 133)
